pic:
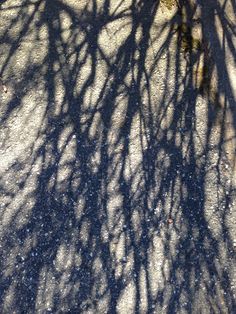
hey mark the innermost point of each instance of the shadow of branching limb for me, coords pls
(117, 157)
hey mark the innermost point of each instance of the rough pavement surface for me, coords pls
(117, 156)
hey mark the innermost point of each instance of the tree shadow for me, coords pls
(117, 147)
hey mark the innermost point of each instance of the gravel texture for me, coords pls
(117, 156)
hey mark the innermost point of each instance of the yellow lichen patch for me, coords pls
(198, 77)
(188, 41)
(190, 44)
(169, 4)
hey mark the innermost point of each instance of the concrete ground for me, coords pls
(117, 156)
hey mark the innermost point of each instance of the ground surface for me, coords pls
(117, 157)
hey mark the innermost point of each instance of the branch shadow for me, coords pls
(118, 157)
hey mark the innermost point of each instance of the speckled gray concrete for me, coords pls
(117, 176)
